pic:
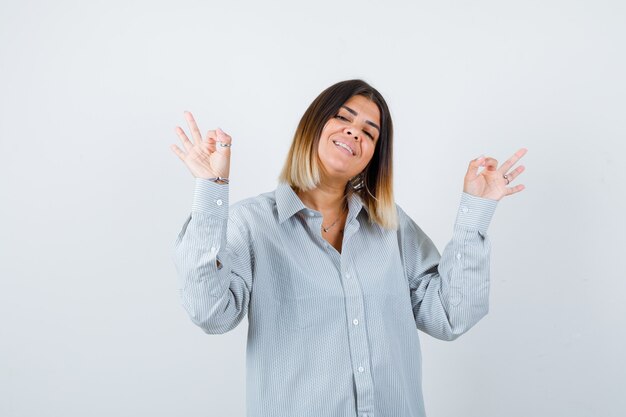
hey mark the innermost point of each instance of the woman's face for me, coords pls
(355, 126)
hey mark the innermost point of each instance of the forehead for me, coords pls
(365, 108)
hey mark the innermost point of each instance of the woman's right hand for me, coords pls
(203, 158)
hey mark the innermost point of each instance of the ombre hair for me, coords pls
(374, 184)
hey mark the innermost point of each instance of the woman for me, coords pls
(335, 277)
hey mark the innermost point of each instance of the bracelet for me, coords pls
(216, 179)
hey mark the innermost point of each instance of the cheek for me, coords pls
(324, 136)
(369, 152)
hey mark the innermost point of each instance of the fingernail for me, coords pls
(482, 156)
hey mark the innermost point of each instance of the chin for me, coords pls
(339, 171)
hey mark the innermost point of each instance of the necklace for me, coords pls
(326, 229)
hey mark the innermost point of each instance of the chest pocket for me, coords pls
(310, 300)
(381, 270)
(383, 282)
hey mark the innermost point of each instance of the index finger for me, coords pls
(504, 168)
(195, 132)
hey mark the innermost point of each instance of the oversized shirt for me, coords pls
(330, 334)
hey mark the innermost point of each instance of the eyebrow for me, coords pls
(367, 121)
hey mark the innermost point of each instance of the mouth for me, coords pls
(345, 147)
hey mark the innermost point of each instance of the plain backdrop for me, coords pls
(92, 197)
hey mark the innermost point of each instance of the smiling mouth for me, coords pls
(344, 146)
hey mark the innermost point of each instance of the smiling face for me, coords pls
(349, 138)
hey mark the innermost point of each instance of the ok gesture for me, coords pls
(205, 158)
(492, 182)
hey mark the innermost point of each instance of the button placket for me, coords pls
(358, 343)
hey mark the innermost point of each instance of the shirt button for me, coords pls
(311, 214)
(464, 209)
(348, 276)
(218, 202)
(355, 322)
(458, 256)
(213, 249)
(361, 369)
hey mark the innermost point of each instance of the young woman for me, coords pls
(334, 276)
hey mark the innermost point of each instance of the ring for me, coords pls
(507, 179)
(223, 145)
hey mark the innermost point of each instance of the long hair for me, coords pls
(374, 184)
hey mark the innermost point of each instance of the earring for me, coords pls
(357, 182)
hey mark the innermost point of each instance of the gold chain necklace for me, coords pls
(326, 229)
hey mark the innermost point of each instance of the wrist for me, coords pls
(219, 180)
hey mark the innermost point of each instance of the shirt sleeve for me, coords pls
(449, 292)
(213, 258)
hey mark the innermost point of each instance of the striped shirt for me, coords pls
(330, 334)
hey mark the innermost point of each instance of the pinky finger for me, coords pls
(178, 152)
(516, 189)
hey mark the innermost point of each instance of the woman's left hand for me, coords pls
(492, 182)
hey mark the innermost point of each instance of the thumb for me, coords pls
(224, 139)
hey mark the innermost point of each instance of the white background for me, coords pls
(92, 197)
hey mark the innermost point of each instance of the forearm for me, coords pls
(211, 292)
(454, 289)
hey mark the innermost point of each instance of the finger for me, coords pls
(474, 165)
(184, 139)
(178, 152)
(513, 174)
(491, 164)
(512, 160)
(195, 132)
(225, 140)
(211, 137)
(515, 189)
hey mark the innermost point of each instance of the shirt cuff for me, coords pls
(475, 212)
(210, 198)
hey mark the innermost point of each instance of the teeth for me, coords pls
(343, 145)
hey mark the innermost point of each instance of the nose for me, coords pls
(352, 132)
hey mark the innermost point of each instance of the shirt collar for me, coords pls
(288, 203)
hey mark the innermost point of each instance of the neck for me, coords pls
(327, 197)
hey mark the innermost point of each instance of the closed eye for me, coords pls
(366, 132)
